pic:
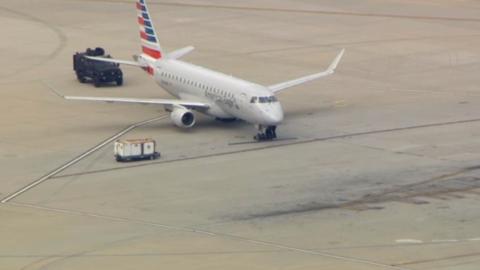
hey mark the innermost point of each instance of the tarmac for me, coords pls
(380, 169)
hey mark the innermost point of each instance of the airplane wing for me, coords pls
(181, 52)
(171, 102)
(285, 85)
(125, 62)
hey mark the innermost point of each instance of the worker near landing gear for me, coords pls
(274, 134)
(268, 133)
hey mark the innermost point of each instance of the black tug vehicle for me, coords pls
(98, 71)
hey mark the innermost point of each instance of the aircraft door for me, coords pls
(243, 100)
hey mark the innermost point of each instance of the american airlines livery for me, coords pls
(212, 93)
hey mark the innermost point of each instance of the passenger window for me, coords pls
(253, 100)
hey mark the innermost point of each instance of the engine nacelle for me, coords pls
(182, 117)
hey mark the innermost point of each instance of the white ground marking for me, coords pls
(225, 236)
(435, 240)
(77, 159)
(409, 241)
(434, 92)
(444, 240)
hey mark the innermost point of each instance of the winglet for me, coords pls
(335, 62)
(53, 89)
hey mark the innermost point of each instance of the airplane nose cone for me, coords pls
(274, 115)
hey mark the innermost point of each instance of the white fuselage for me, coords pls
(228, 97)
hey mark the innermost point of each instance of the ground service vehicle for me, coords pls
(98, 71)
(137, 149)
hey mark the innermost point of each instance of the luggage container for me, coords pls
(137, 149)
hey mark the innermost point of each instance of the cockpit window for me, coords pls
(263, 99)
(268, 99)
(272, 99)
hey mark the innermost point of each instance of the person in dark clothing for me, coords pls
(274, 134)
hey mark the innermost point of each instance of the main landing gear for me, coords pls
(269, 133)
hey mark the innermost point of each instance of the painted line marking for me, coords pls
(77, 159)
(444, 240)
(224, 236)
(436, 241)
(433, 92)
(414, 241)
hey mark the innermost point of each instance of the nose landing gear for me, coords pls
(269, 134)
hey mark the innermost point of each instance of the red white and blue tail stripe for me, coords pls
(148, 38)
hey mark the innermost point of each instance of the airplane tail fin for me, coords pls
(148, 37)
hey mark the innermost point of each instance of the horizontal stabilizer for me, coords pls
(124, 62)
(331, 68)
(181, 52)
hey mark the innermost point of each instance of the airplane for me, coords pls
(200, 89)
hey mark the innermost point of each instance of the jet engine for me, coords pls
(182, 117)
